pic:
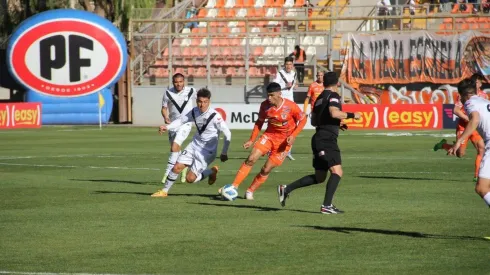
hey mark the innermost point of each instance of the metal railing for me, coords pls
(282, 27)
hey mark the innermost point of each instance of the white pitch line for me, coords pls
(52, 273)
(408, 172)
(227, 171)
(74, 166)
(160, 157)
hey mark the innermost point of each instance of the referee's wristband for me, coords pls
(350, 115)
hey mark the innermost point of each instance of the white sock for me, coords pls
(171, 161)
(486, 198)
(203, 175)
(170, 181)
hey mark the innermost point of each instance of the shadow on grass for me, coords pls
(149, 194)
(116, 181)
(348, 230)
(257, 207)
(402, 178)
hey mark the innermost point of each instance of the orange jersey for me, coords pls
(314, 91)
(461, 123)
(281, 120)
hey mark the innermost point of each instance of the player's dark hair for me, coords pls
(288, 59)
(273, 87)
(177, 75)
(466, 86)
(204, 93)
(330, 79)
(477, 76)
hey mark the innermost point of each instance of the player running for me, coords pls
(286, 78)
(201, 152)
(285, 122)
(177, 101)
(479, 119)
(463, 119)
(316, 88)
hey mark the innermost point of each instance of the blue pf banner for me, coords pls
(449, 119)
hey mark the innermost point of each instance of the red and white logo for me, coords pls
(66, 57)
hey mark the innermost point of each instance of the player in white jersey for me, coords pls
(287, 79)
(201, 152)
(478, 110)
(177, 101)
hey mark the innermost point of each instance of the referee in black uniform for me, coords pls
(326, 117)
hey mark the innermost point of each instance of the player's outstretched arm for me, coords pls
(226, 131)
(165, 115)
(335, 112)
(470, 128)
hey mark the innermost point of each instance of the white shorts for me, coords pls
(485, 165)
(197, 159)
(178, 136)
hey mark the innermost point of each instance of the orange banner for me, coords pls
(402, 117)
(20, 115)
(416, 57)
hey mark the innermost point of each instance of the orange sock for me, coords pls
(241, 174)
(477, 164)
(258, 180)
(446, 146)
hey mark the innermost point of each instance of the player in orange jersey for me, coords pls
(316, 88)
(475, 138)
(284, 122)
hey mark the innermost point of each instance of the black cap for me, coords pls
(273, 87)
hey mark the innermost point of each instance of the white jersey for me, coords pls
(209, 125)
(179, 103)
(282, 78)
(482, 106)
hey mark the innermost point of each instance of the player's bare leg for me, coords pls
(480, 150)
(482, 188)
(260, 178)
(247, 166)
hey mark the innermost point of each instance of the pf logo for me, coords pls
(67, 53)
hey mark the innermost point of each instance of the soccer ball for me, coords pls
(229, 192)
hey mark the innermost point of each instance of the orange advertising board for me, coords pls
(20, 115)
(402, 117)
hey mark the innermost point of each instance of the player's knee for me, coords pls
(190, 177)
(178, 167)
(337, 169)
(320, 176)
(175, 147)
(460, 154)
(250, 161)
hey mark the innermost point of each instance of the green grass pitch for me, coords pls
(77, 200)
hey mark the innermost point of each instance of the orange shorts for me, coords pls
(474, 137)
(277, 148)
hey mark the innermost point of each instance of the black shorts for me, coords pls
(326, 153)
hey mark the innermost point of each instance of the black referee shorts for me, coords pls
(326, 153)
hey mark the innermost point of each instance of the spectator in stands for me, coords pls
(485, 6)
(444, 5)
(299, 56)
(383, 9)
(191, 13)
(309, 6)
(410, 4)
(462, 7)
